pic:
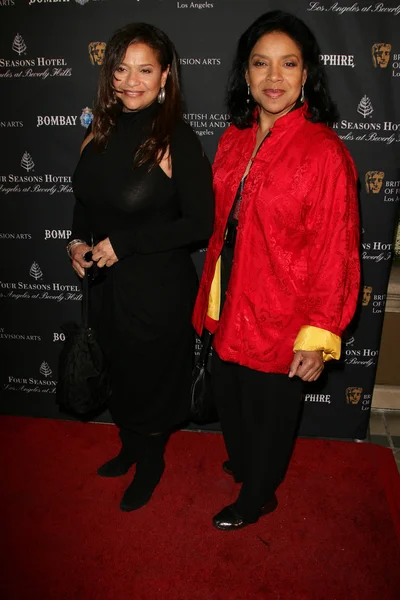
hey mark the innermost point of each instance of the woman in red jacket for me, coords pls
(281, 277)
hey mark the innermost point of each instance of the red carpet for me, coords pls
(63, 536)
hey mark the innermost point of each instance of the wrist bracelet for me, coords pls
(73, 243)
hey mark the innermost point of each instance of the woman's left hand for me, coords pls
(307, 365)
(103, 254)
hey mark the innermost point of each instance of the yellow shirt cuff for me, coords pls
(214, 299)
(312, 338)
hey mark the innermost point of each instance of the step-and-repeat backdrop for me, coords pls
(50, 55)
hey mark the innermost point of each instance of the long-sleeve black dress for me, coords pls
(143, 306)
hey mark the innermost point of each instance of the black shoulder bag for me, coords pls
(202, 405)
(82, 381)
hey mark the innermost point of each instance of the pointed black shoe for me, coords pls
(119, 465)
(228, 519)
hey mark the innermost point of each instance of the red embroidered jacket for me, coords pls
(295, 276)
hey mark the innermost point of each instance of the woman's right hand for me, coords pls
(78, 262)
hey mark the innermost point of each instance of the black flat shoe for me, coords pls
(139, 492)
(117, 466)
(228, 519)
(150, 467)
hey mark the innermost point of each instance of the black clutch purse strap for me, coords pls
(85, 300)
(206, 339)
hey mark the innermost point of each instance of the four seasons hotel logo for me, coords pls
(32, 181)
(40, 383)
(381, 55)
(45, 369)
(374, 181)
(35, 271)
(365, 108)
(27, 162)
(26, 65)
(19, 45)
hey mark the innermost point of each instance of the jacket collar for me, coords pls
(294, 116)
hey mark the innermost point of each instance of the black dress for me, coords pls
(142, 308)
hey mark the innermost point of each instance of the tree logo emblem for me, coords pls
(35, 271)
(18, 44)
(45, 369)
(27, 162)
(365, 108)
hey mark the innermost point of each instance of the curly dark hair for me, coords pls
(321, 108)
(108, 106)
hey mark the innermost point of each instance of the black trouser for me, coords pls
(259, 415)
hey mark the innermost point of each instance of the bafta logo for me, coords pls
(381, 55)
(353, 395)
(374, 181)
(367, 294)
(96, 52)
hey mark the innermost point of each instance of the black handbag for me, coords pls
(82, 382)
(202, 405)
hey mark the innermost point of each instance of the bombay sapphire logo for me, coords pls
(86, 117)
(82, 2)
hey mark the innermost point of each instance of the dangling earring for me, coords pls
(302, 97)
(161, 96)
(248, 94)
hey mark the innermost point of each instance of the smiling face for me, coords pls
(139, 77)
(275, 73)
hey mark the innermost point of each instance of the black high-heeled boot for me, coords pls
(125, 459)
(149, 469)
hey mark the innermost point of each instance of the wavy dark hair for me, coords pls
(321, 108)
(108, 106)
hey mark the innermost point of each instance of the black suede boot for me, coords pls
(149, 469)
(127, 456)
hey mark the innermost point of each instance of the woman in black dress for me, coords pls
(143, 198)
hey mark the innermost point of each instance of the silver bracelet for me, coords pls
(73, 243)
